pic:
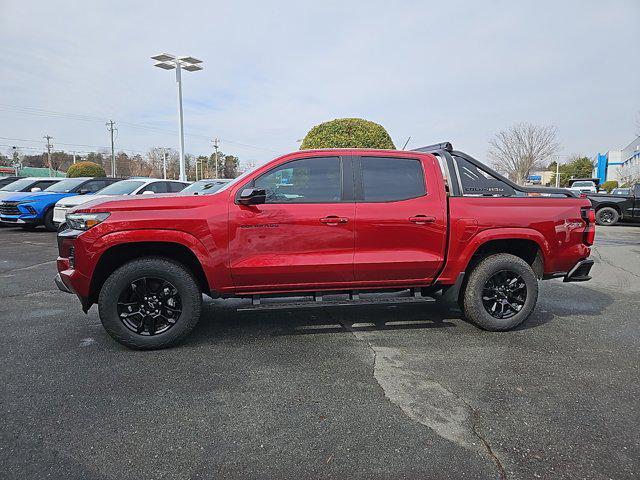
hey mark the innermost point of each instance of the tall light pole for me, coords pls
(167, 61)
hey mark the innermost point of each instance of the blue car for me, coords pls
(31, 209)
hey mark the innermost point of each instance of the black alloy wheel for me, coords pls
(607, 217)
(504, 294)
(149, 306)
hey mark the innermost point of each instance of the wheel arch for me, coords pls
(119, 254)
(527, 249)
(615, 206)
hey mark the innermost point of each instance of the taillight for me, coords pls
(589, 217)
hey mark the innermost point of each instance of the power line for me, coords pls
(90, 118)
(99, 147)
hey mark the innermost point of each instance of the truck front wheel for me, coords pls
(607, 216)
(501, 293)
(150, 303)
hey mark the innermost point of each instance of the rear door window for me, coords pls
(93, 186)
(155, 187)
(391, 179)
(175, 187)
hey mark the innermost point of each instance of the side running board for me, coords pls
(324, 299)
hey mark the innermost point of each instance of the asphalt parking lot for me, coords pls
(406, 391)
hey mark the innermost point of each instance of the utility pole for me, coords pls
(557, 174)
(215, 145)
(48, 138)
(111, 127)
(74, 158)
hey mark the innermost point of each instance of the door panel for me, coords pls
(274, 246)
(303, 236)
(403, 240)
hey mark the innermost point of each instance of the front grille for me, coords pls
(9, 208)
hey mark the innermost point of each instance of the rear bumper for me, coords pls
(579, 272)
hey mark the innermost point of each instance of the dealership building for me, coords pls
(619, 164)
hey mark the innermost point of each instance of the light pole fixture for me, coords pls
(167, 61)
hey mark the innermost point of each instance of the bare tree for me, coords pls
(628, 176)
(523, 148)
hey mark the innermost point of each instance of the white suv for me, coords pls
(132, 186)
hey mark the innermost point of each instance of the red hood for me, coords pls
(161, 201)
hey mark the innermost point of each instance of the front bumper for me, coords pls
(15, 220)
(579, 272)
(60, 284)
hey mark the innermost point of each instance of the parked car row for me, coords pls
(29, 202)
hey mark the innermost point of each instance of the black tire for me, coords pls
(153, 267)
(476, 303)
(48, 221)
(607, 216)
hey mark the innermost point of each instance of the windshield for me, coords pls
(121, 188)
(205, 186)
(65, 186)
(622, 191)
(238, 179)
(583, 184)
(18, 185)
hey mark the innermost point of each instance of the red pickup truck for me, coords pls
(432, 221)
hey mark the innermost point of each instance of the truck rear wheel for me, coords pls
(501, 293)
(150, 303)
(607, 216)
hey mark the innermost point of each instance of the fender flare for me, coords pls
(507, 233)
(123, 237)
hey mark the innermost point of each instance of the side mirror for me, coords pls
(252, 196)
(36, 189)
(148, 192)
(83, 191)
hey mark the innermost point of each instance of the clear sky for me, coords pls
(435, 71)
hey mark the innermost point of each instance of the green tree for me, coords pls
(610, 185)
(348, 133)
(230, 166)
(85, 169)
(577, 167)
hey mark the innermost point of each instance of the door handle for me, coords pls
(422, 219)
(333, 220)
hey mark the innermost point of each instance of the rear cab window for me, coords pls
(477, 182)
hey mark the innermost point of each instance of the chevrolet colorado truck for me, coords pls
(431, 222)
(610, 209)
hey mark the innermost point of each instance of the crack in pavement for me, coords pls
(603, 259)
(4, 273)
(444, 412)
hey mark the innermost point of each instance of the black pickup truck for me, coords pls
(610, 209)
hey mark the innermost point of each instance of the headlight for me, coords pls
(84, 221)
